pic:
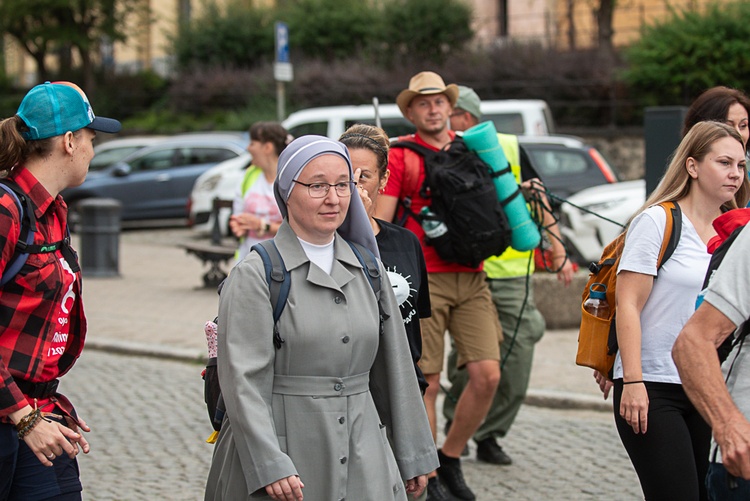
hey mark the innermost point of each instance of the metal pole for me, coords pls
(280, 97)
(377, 112)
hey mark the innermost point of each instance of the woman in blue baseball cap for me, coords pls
(44, 148)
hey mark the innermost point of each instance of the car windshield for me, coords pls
(558, 162)
(106, 158)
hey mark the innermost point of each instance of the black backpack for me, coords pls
(279, 284)
(462, 194)
(25, 244)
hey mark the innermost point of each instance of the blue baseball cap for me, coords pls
(54, 108)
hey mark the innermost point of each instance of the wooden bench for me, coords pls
(216, 250)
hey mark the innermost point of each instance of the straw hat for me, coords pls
(425, 83)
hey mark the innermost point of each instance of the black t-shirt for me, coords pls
(403, 260)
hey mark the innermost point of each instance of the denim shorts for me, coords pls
(24, 478)
(722, 486)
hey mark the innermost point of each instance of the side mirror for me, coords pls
(121, 169)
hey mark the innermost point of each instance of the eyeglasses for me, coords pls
(320, 190)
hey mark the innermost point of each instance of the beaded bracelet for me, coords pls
(28, 423)
(633, 382)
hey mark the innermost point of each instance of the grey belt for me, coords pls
(321, 386)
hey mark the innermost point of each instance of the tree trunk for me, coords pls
(89, 82)
(605, 31)
(570, 14)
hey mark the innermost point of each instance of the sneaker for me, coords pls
(436, 491)
(449, 472)
(465, 452)
(489, 451)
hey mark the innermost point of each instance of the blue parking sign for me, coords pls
(282, 42)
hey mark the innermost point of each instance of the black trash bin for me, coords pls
(100, 237)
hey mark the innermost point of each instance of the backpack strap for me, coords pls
(28, 228)
(277, 277)
(372, 271)
(672, 232)
(413, 155)
(370, 263)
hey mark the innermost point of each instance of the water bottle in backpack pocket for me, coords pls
(593, 339)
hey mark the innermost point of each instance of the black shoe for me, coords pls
(446, 428)
(436, 491)
(489, 451)
(449, 472)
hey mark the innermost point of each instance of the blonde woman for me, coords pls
(666, 438)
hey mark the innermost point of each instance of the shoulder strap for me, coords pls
(28, 228)
(672, 232)
(372, 270)
(413, 155)
(412, 161)
(277, 277)
(370, 263)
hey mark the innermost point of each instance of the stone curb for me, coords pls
(567, 400)
(539, 398)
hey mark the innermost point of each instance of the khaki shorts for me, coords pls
(461, 304)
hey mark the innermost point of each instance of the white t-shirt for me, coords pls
(729, 292)
(672, 298)
(322, 255)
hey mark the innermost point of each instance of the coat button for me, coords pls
(337, 386)
(342, 420)
(345, 339)
(343, 460)
(337, 300)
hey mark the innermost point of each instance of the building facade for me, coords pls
(559, 24)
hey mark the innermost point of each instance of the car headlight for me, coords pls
(209, 183)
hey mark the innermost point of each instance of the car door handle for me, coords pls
(162, 178)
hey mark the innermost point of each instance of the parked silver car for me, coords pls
(587, 234)
(154, 182)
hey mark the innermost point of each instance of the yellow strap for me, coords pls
(213, 438)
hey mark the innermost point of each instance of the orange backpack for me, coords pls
(597, 338)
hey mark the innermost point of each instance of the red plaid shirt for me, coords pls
(29, 303)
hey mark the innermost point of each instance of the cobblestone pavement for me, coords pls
(149, 424)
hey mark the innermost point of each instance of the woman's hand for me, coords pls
(416, 485)
(634, 406)
(240, 224)
(604, 383)
(286, 489)
(363, 195)
(50, 439)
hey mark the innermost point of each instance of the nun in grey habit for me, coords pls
(336, 411)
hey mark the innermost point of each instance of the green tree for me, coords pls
(235, 36)
(330, 28)
(677, 59)
(426, 29)
(43, 27)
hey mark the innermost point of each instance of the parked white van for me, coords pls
(531, 117)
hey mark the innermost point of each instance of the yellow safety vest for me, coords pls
(251, 174)
(511, 263)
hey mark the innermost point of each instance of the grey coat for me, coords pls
(337, 405)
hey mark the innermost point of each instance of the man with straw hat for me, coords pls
(460, 297)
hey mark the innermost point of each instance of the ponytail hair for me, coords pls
(14, 149)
